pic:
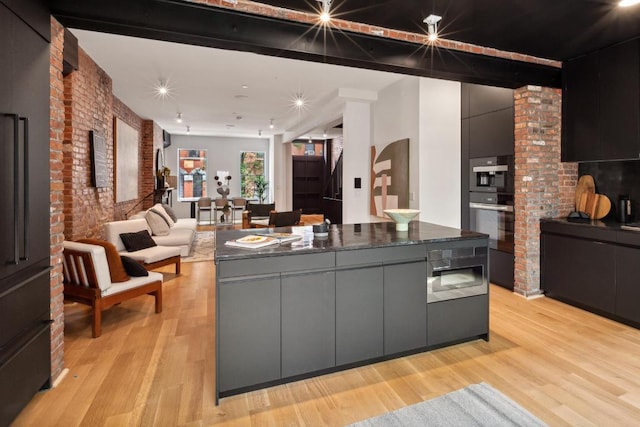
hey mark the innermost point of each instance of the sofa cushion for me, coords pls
(137, 240)
(159, 209)
(190, 223)
(116, 269)
(169, 210)
(157, 223)
(75, 274)
(154, 254)
(177, 237)
(133, 267)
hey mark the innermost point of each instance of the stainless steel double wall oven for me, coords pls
(491, 211)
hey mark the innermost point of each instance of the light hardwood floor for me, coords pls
(566, 366)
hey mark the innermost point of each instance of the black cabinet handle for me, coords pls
(25, 233)
(16, 187)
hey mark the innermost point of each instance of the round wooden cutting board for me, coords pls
(585, 184)
(603, 207)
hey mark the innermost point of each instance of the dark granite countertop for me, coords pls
(341, 237)
(599, 230)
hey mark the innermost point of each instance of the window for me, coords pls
(299, 148)
(192, 174)
(251, 166)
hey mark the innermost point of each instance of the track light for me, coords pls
(188, 130)
(271, 124)
(179, 118)
(627, 3)
(325, 12)
(259, 132)
(432, 26)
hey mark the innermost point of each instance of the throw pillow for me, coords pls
(137, 241)
(169, 210)
(133, 267)
(116, 269)
(157, 223)
(159, 209)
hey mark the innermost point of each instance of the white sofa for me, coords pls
(181, 233)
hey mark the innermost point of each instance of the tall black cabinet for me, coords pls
(25, 364)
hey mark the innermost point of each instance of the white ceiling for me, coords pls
(206, 86)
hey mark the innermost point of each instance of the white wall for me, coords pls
(223, 153)
(427, 111)
(396, 117)
(439, 131)
(357, 138)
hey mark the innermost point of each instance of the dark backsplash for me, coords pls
(614, 179)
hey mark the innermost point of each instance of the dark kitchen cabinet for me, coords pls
(487, 121)
(359, 314)
(405, 307)
(601, 105)
(487, 99)
(619, 94)
(249, 335)
(458, 319)
(24, 151)
(627, 286)
(492, 134)
(25, 356)
(308, 322)
(580, 271)
(580, 105)
(464, 174)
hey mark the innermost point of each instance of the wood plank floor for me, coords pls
(566, 366)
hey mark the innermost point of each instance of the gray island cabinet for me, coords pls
(363, 294)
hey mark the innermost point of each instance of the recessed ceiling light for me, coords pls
(244, 87)
(241, 96)
(230, 126)
(298, 101)
(162, 89)
(627, 3)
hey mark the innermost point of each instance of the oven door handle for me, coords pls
(496, 168)
(488, 207)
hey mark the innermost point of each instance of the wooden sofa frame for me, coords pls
(92, 295)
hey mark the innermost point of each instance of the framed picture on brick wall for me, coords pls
(99, 172)
(126, 140)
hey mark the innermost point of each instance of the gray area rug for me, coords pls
(475, 405)
(203, 248)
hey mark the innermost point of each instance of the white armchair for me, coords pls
(87, 280)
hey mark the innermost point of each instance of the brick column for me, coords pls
(56, 165)
(544, 186)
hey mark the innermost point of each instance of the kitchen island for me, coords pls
(362, 294)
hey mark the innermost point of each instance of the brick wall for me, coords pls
(151, 143)
(544, 187)
(57, 117)
(88, 106)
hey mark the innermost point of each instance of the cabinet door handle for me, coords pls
(25, 171)
(16, 187)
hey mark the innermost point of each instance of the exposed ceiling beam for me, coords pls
(185, 22)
